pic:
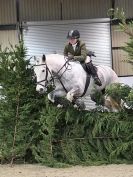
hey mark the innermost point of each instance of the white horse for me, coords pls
(69, 78)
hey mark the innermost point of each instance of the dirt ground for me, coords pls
(77, 171)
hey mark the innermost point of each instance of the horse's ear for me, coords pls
(43, 58)
(35, 58)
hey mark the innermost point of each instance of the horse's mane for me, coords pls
(58, 58)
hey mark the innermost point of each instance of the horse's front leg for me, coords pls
(72, 94)
(55, 94)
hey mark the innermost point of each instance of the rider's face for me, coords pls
(72, 41)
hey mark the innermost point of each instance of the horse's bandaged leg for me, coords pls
(70, 96)
(72, 93)
(51, 97)
(59, 106)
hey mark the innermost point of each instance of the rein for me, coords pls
(53, 74)
(59, 77)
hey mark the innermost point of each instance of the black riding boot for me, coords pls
(91, 69)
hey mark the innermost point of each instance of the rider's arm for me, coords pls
(66, 51)
(82, 57)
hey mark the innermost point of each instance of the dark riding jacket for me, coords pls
(80, 52)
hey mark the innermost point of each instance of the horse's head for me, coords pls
(41, 71)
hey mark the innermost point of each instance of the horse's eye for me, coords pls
(43, 70)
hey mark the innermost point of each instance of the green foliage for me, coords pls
(119, 14)
(130, 96)
(126, 27)
(19, 104)
(98, 97)
(84, 137)
(129, 99)
(118, 91)
(129, 49)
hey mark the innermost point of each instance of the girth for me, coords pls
(87, 79)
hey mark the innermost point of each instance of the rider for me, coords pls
(76, 50)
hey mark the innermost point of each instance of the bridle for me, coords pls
(46, 76)
(53, 75)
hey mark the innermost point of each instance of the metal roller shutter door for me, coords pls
(50, 36)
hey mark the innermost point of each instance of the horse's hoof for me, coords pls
(75, 106)
(59, 106)
(82, 106)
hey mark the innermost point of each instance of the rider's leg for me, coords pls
(91, 69)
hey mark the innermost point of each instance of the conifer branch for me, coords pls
(98, 137)
(15, 129)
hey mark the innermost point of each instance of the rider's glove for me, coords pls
(90, 53)
(70, 57)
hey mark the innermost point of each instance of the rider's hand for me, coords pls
(90, 53)
(70, 57)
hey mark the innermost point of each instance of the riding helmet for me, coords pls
(73, 34)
